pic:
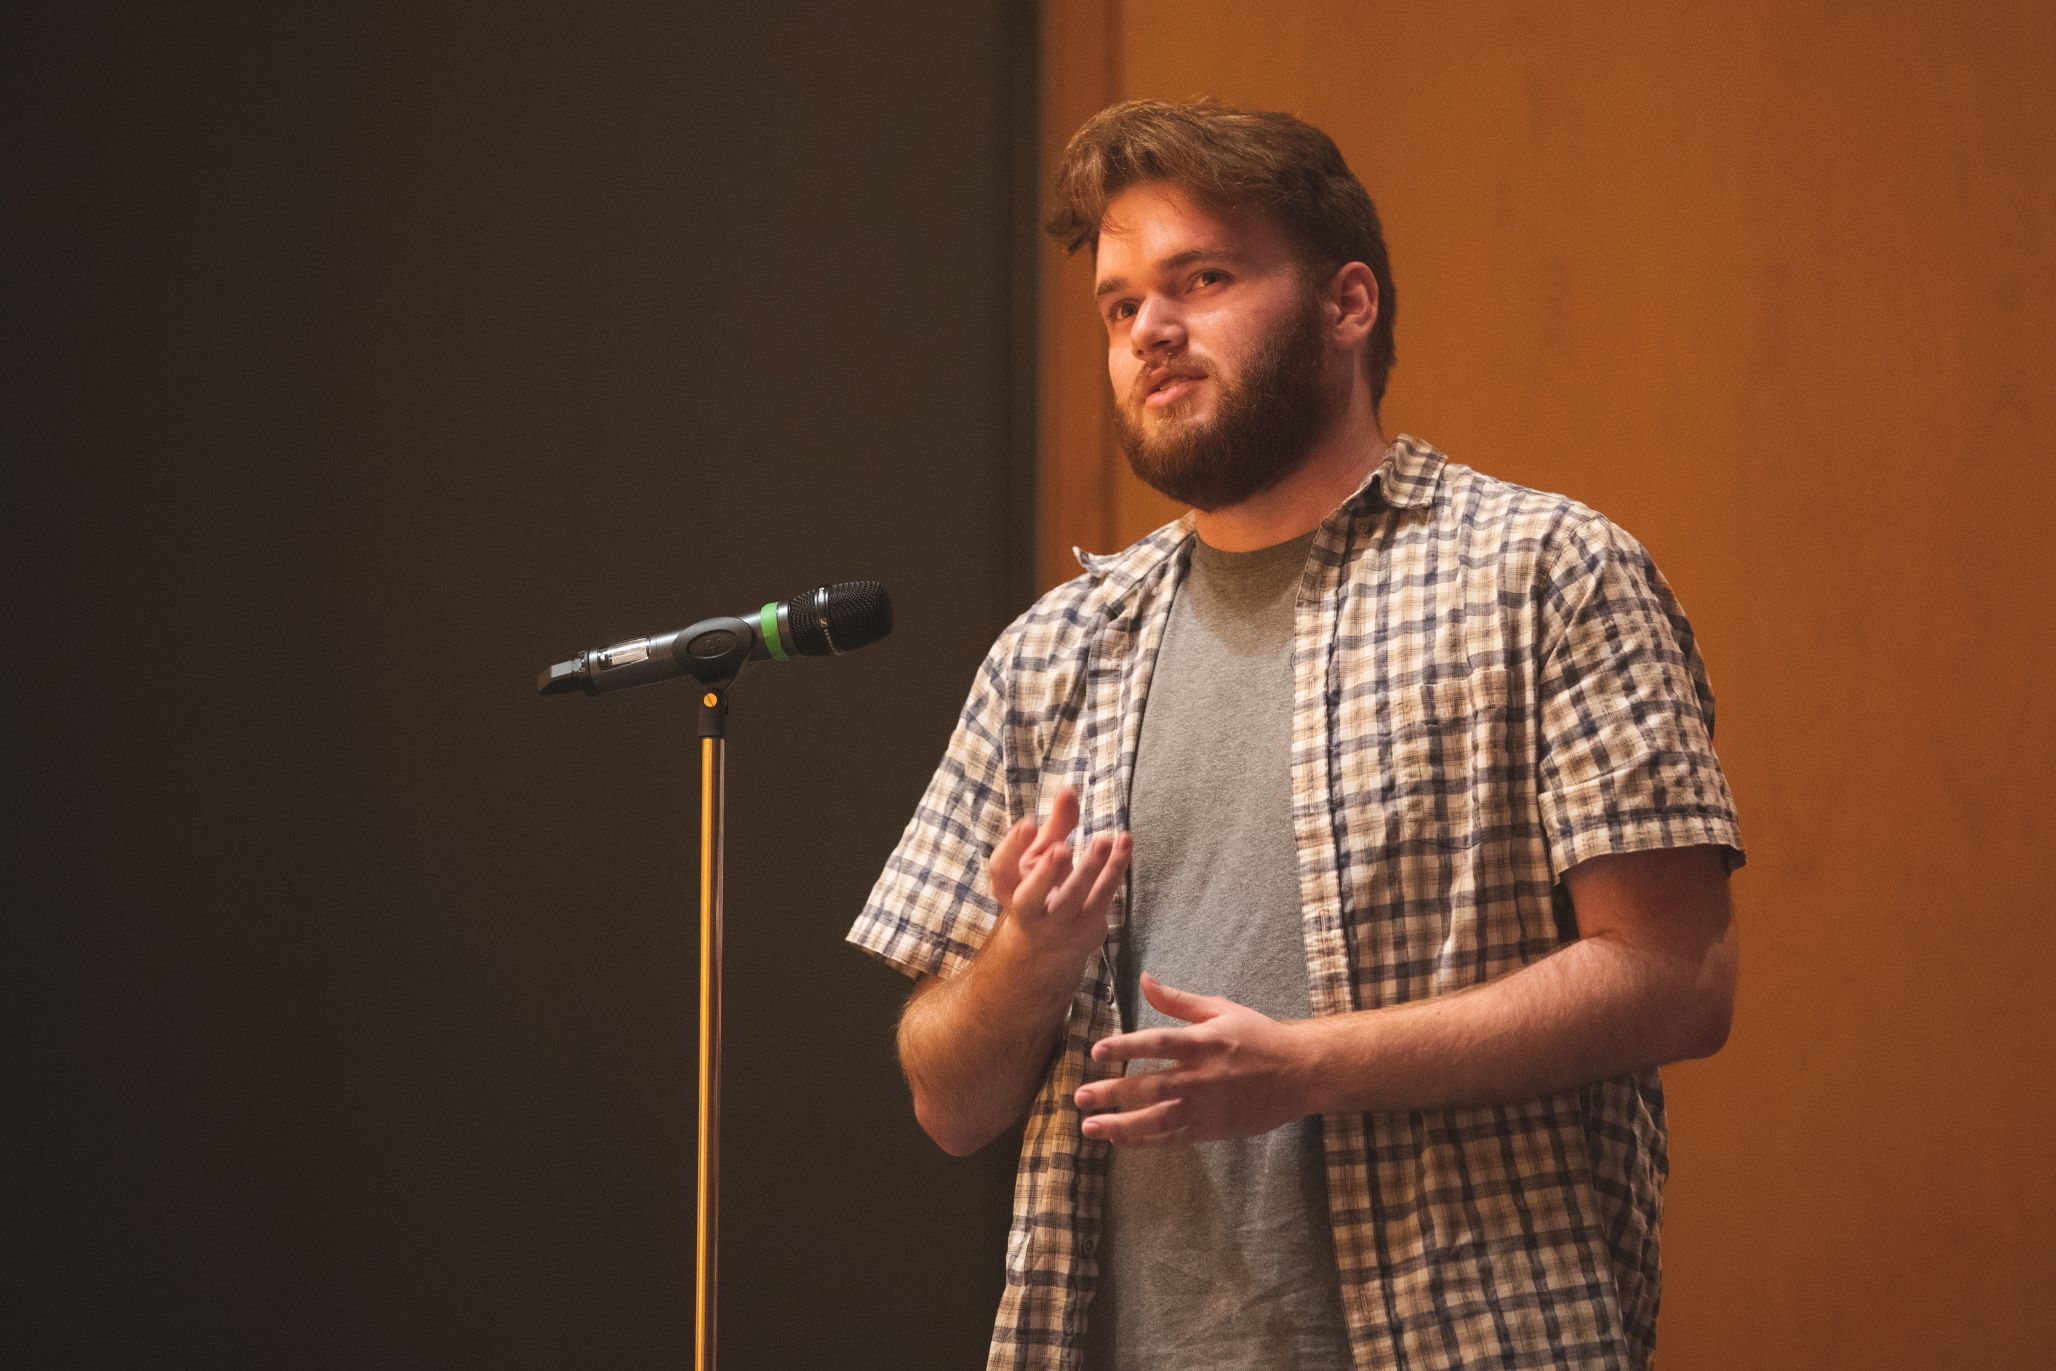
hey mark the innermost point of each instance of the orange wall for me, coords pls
(1770, 284)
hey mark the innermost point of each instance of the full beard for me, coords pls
(1262, 431)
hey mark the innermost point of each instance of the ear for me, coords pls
(1352, 295)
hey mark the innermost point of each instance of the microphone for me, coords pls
(823, 622)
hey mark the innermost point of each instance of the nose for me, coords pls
(1156, 327)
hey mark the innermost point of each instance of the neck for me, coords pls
(1343, 456)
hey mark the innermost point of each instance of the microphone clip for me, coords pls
(712, 652)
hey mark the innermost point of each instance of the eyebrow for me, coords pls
(1114, 285)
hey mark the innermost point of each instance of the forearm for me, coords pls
(1593, 1009)
(975, 1047)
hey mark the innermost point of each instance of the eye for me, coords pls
(1211, 276)
(1119, 310)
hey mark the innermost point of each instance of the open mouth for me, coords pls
(1169, 389)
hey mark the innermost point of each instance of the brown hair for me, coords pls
(1232, 159)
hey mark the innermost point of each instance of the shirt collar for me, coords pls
(1406, 479)
(1117, 571)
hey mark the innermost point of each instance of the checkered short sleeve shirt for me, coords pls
(1492, 684)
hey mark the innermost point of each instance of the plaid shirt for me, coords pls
(1492, 685)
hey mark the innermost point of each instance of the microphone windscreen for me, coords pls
(839, 618)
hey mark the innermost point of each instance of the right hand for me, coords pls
(1057, 902)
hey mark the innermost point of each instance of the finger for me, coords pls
(1005, 862)
(1101, 897)
(1033, 892)
(1063, 817)
(1132, 1092)
(1154, 1045)
(1183, 1004)
(1069, 898)
(1158, 1125)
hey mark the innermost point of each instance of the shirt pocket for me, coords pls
(1444, 741)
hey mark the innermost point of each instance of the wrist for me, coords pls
(1320, 1064)
(1048, 973)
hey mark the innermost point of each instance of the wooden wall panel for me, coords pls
(1770, 285)
(1079, 466)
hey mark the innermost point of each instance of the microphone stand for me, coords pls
(713, 652)
(713, 731)
(830, 620)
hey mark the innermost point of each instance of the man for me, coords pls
(1410, 875)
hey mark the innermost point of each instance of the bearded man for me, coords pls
(1333, 983)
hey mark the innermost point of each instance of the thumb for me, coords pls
(1182, 1004)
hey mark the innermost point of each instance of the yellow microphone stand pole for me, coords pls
(713, 836)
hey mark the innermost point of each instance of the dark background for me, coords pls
(370, 360)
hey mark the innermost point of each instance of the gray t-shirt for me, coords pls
(1218, 1255)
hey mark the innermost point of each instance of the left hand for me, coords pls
(1234, 1073)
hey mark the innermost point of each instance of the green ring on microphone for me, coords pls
(767, 623)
